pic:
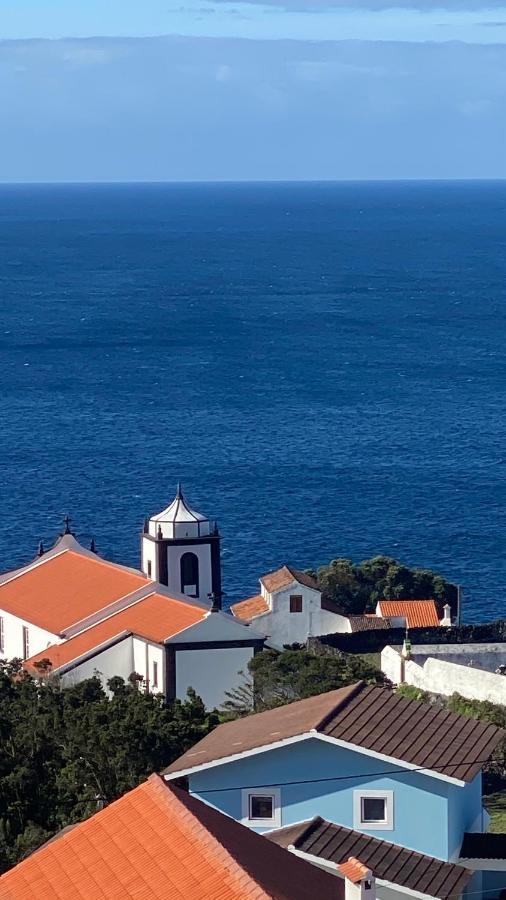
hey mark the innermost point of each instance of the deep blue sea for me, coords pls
(323, 366)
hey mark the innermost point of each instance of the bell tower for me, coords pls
(181, 549)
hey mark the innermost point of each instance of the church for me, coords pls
(71, 614)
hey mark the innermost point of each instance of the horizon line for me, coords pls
(245, 181)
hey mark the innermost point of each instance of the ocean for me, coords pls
(323, 366)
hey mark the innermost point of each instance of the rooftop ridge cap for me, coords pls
(354, 690)
(311, 826)
(212, 843)
(96, 617)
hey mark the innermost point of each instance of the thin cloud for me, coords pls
(314, 6)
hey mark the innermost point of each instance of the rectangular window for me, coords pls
(26, 643)
(373, 810)
(261, 807)
(2, 644)
(155, 674)
(149, 568)
(295, 603)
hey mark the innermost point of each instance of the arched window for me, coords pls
(190, 574)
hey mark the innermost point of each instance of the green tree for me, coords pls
(276, 678)
(356, 588)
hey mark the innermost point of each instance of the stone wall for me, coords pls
(374, 641)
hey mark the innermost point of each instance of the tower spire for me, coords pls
(179, 491)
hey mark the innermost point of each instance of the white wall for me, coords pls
(283, 627)
(149, 554)
(441, 677)
(144, 655)
(115, 660)
(211, 672)
(13, 637)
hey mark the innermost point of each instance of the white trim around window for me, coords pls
(253, 799)
(363, 820)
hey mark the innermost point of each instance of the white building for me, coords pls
(181, 549)
(289, 609)
(76, 615)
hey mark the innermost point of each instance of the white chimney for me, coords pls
(359, 882)
(447, 615)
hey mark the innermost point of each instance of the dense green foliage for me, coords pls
(65, 753)
(276, 678)
(356, 588)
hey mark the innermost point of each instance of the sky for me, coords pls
(123, 90)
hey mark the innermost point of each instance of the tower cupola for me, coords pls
(181, 549)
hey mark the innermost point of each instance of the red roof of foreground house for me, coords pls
(418, 613)
(158, 843)
(155, 618)
(248, 609)
(61, 590)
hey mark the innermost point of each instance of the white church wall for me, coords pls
(38, 638)
(156, 657)
(117, 660)
(149, 556)
(211, 672)
(284, 627)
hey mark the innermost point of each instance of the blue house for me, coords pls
(361, 757)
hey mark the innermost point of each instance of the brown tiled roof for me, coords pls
(248, 609)
(483, 846)
(281, 578)
(261, 729)
(368, 623)
(158, 842)
(418, 613)
(387, 861)
(420, 734)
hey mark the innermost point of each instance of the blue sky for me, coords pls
(214, 89)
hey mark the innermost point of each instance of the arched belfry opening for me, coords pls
(181, 549)
(190, 574)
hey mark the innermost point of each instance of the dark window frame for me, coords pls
(296, 603)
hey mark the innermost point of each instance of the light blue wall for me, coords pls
(421, 802)
(465, 813)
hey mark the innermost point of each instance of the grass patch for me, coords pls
(495, 804)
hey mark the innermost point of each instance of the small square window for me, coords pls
(261, 807)
(374, 809)
(296, 603)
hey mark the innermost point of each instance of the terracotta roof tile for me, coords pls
(353, 870)
(64, 589)
(155, 618)
(281, 578)
(418, 613)
(247, 609)
(158, 842)
(387, 861)
(372, 718)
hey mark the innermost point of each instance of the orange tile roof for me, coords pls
(247, 609)
(418, 613)
(155, 618)
(158, 843)
(275, 581)
(62, 590)
(354, 870)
